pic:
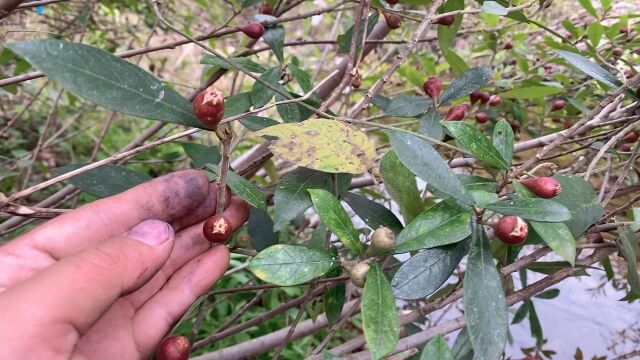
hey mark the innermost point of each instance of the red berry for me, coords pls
(495, 100)
(433, 87)
(628, 74)
(446, 20)
(624, 30)
(217, 229)
(508, 45)
(545, 187)
(392, 2)
(482, 117)
(208, 106)
(631, 137)
(617, 52)
(511, 230)
(625, 148)
(475, 96)
(266, 9)
(174, 347)
(485, 97)
(457, 112)
(556, 120)
(557, 105)
(253, 30)
(393, 21)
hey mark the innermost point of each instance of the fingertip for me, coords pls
(237, 212)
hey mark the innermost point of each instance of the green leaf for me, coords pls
(294, 112)
(106, 79)
(532, 92)
(257, 123)
(303, 78)
(586, 4)
(582, 201)
(379, 319)
(444, 223)
(534, 325)
(447, 34)
(492, 7)
(458, 65)
(594, 32)
(260, 93)
(482, 198)
(288, 265)
(484, 301)
(244, 63)
(201, 154)
(438, 349)
(424, 161)
(408, 106)
(474, 182)
(548, 294)
(274, 37)
(344, 40)
(532, 209)
(477, 144)
(325, 145)
(334, 300)
(462, 349)
(291, 197)
(336, 218)
(552, 267)
(237, 104)
(425, 272)
(260, 229)
(372, 213)
(400, 183)
(104, 181)
(628, 247)
(430, 125)
(521, 313)
(558, 236)
(590, 68)
(242, 187)
(470, 81)
(503, 140)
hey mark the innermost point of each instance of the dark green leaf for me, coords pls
(288, 265)
(244, 63)
(381, 102)
(552, 267)
(291, 197)
(336, 218)
(408, 106)
(579, 197)
(430, 125)
(477, 144)
(114, 83)
(458, 65)
(473, 182)
(400, 183)
(242, 187)
(532, 209)
(462, 349)
(558, 236)
(334, 298)
(590, 68)
(303, 78)
(424, 161)
(445, 223)
(534, 325)
(105, 180)
(628, 248)
(521, 313)
(257, 123)
(425, 272)
(548, 294)
(438, 349)
(344, 40)
(470, 81)
(503, 140)
(261, 94)
(274, 37)
(484, 301)
(201, 154)
(237, 104)
(379, 319)
(372, 213)
(482, 198)
(250, 3)
(447, 34)
(260, 229)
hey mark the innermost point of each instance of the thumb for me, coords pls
(78, 289)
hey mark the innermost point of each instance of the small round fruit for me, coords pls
(544, 187)
(174, 347)
(624, 30)
(617, 52)
(358, 273)
(556, 120)
(253, 30)
(266, 9)
(631, 137)
(624, 148)
(508, 45)
(433, 87)
(482, 117)
(393, 21)
(475, 96)
(356, 82)
(456, 113)
(446, 20)
(557, 105)
(383, 239)
(511, 230)
(208, 106)
(485, 97)
(628, 74)
(392, 2)
(217, 229)
(495, 100)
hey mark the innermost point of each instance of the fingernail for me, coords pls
(151, 232)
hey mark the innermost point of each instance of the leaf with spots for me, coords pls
(485, 306)
(336, 218)
(477, 144)
(503, 140)
(379, 319)
(99, 76)
(288, 265)
(325, 145)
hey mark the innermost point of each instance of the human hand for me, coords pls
(110, 279)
